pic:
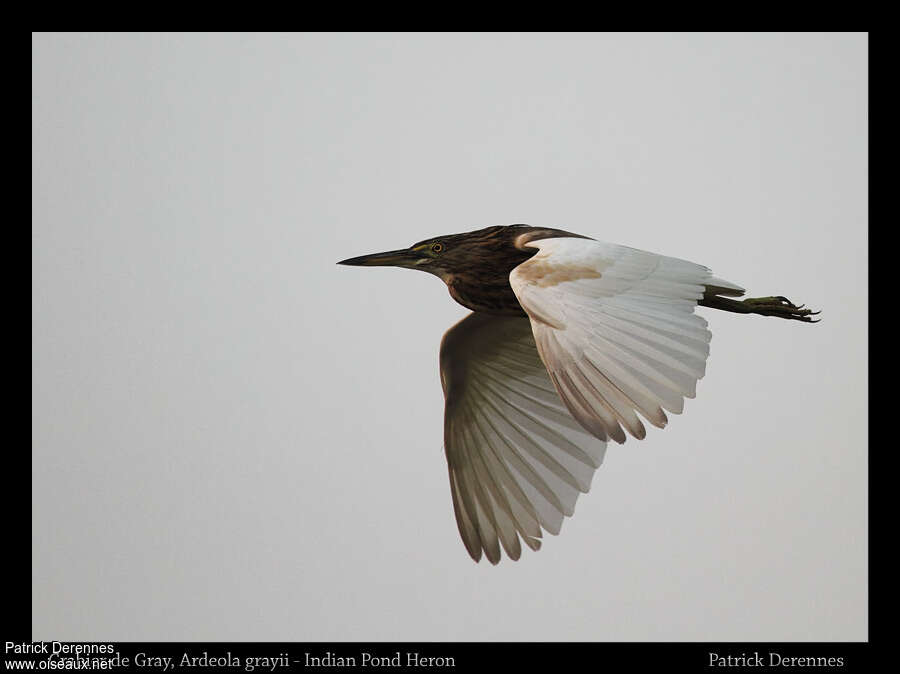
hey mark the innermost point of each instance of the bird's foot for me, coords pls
(781, 307)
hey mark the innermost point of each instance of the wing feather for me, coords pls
(492, 528)
(616, 328)
(517, 459)
(468, 531)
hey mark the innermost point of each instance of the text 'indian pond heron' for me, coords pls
(570, 340)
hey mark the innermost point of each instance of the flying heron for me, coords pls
(569, 340)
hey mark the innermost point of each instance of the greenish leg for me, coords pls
(779, 306)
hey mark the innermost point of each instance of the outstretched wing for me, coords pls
(517, 460)
(616, 328)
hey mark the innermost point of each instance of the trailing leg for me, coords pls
(778, 306)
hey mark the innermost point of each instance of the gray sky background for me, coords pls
(235, 439)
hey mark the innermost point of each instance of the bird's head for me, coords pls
(474, 265)
(483, 252)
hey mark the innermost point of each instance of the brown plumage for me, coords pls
(474, 265)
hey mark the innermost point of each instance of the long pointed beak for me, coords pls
(393, 258)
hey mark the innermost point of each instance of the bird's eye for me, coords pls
(437, 247)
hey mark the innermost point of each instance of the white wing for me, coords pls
(616, 328)
(517, 460)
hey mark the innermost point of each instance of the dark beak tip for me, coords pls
(352, 261)
(394, 258)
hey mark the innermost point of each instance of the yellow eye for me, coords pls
(437, 247)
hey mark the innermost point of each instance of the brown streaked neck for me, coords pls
(493, 298)
(484, 284)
